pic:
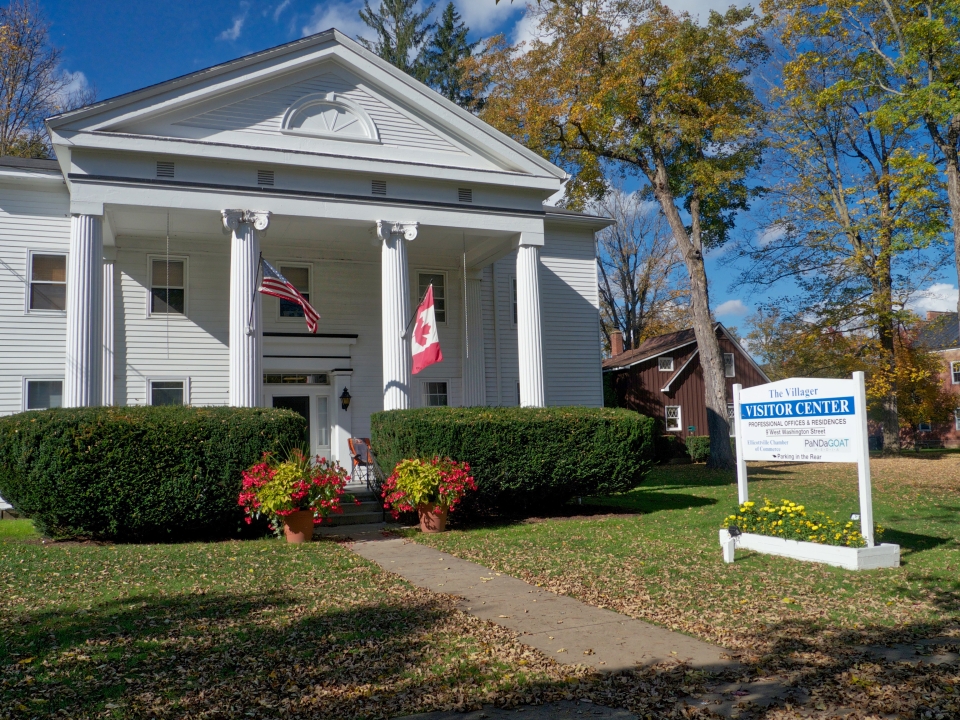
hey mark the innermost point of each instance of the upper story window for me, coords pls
(665, 364)
(439, 292)
(168, 286)
(729, 369)
(48, 282)
(955, 372)
(299, 276)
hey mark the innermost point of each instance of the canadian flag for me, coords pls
(426, 342)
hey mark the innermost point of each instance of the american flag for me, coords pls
(278, 286)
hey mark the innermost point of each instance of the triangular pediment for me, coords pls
(324, 95)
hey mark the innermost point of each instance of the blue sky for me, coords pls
(121, 45)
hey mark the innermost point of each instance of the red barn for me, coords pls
(663, 378)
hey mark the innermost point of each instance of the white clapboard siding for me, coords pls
(569, 307)
(263, 113)
(194, 346)
(490, 337)
(37, 220)
(503, 335)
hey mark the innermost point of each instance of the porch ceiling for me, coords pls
(323, 234)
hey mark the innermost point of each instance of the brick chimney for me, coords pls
(616, 343)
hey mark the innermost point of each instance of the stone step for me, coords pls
(360, 518)
(364, 507)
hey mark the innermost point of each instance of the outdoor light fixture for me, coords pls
(734, 531)
(855, 516)
(345, 399)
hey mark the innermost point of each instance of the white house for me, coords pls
(127, 264)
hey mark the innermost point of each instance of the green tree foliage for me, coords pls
(633, 87)
(402, 33)
(905, 51)
(848, 198)
(443, 58)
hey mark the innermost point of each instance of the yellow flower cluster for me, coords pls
(791, 521)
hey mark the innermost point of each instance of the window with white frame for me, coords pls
(729, 369)
(435, 394)
(439, 281)
(956, 419)
(955, 372)
(665, 364)
(167, 392)
(731, 419)
(672, 415)
(514, 301)
(299, 277)
(43, 394)
(168, 286)
(48, 282)
(924, 427)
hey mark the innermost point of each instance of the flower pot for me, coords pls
(298, 526)
(432, 521)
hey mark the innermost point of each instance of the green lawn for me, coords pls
(656, 556)
(228, 629)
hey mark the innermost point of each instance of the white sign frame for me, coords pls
(862, 452)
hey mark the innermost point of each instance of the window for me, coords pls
(439, 292)
(665, 364)
(731, 419)
(955, 372)
(48, 282)
(44, 394)
(435, 394)
(167, 392)
(729, 370)
(168, 294)
(323, 422)
(924, 427)
(296, 379)
(514, 301)
(672, 414)
(956, 419)
(299, 276)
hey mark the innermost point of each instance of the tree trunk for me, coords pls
(711, 359)
(953, 193)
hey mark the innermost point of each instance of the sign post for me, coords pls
(863, 464)
(741, 460)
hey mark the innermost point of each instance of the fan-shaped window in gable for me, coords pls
(329, 116)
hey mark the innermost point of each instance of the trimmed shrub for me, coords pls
(525, 458)
(698, 447)
(136, 473)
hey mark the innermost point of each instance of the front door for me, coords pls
(313, 408)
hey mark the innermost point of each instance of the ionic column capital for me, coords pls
(387, 230)
(232, 219)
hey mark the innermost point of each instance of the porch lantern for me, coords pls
(345, 399)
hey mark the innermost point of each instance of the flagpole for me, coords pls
(407, 329)
(253, 296)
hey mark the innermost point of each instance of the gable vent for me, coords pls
(378, 187)
(164, 169)
(465, 195)
(264, 177)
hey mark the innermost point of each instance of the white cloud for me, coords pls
(344, 16)
(732, 307)
(233, 32)
(482, 16)
(280, 8)
(940, 297)
(771, 234)
(76, 82)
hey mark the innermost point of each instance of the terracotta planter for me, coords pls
(431, 521)
(298, 527)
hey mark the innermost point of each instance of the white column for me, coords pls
(106, 379)
(81, 386)
(246, 333)
(395, 312)
(342, 419)
(474, 375)
(529, 339)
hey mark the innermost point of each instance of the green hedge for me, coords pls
(137, 473)
(525, 458)
(698, 447)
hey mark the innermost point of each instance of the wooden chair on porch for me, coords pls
(365, 468)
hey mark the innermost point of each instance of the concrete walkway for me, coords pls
(568, 630)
